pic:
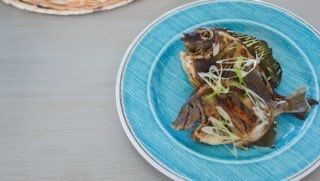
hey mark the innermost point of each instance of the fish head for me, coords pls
(199, 40)
(189, 114)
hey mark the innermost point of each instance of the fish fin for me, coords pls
(267, 140)
(302, 115)
(260, 48)
(298, 104)
(312, 102)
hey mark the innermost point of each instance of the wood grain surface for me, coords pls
(58, 119)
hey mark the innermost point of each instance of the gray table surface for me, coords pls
(58, 119)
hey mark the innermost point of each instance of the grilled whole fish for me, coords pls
(208, 46)
(242, 113)
(236, 107)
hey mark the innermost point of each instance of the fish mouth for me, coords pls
(193, 110)
(199, 40)
(189, 114)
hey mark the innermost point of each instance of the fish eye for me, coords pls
(190, 107)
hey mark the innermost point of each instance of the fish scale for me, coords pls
(227, 115)
(270, 66)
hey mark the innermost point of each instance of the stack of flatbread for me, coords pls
(66, 7)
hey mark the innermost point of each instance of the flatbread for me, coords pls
(66, 7)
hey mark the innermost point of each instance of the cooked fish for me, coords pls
(206, 46)
(224, 51)
(242, 115)
(235, 102)
(270, 66)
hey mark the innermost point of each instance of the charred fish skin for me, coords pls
(271, 67)
(200, 56)
(198, 40)
(250, 131)
(189, 114)
(202, 107)
(262, 80)
(250, 121)
(233, 44)
(192, 110)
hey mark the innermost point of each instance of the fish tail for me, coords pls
(312, 102)
(302, 115)
(298, 104)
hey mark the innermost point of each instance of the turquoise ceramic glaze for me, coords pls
(154, 86)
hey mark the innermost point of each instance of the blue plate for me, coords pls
(152, 87)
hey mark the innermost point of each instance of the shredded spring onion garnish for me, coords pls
(260, 107)
(237, 69)
(241, 67)
(214, 79)
(224, 114)
(222, 134)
